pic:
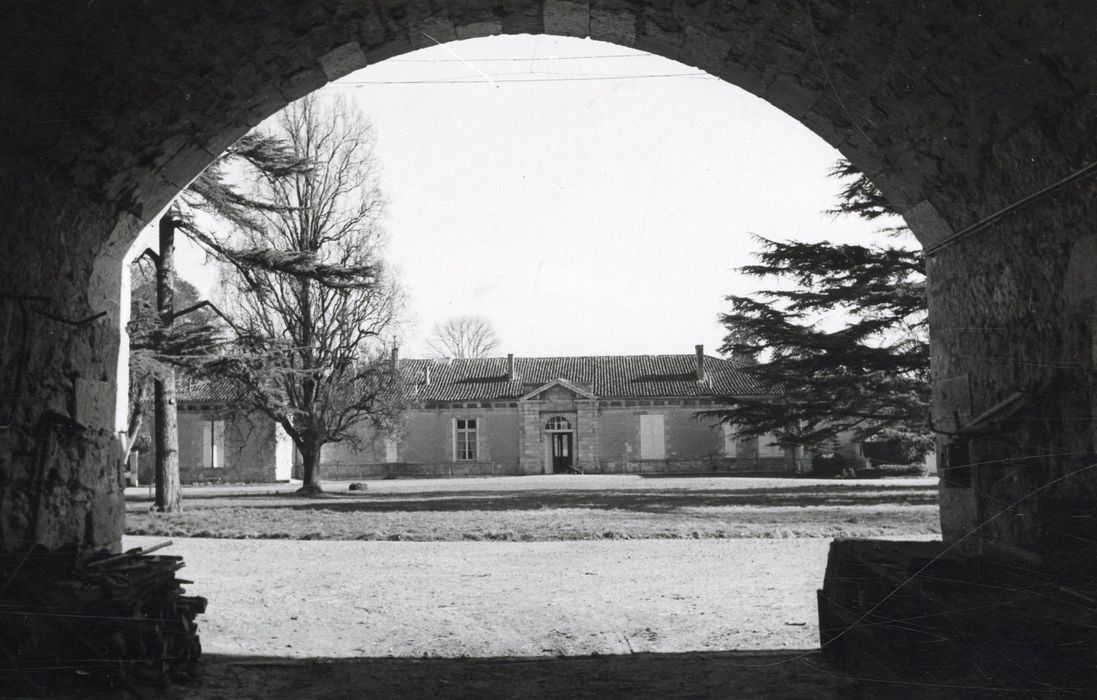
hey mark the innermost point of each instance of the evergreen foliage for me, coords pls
(866, 380)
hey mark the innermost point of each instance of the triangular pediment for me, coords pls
(559, 388)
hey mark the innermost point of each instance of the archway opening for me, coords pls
(971, 123)
(655, 221)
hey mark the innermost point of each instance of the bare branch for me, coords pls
(464, 337)
(310, 301)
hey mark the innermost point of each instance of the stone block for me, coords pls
(304, 82)
(225, 138)
(567, 18)
(343, 59)
(479, 29)
(431, 32)
(927, 224)
(1080, 281)
(654, 37)
(617, 26)
(789, 92)
(703, 50)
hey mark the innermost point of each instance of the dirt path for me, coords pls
(375, 599)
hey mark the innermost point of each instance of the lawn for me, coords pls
(533, 509)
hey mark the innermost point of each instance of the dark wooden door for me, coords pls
(561, 452)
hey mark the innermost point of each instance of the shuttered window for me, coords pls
(729, 440)
(652, 444)
(213, 444)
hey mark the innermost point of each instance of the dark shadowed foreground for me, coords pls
(741, 675)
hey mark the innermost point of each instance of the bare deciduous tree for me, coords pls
(464, 337)
(312, 315)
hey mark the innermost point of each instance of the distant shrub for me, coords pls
(878, 471)
(827, 464)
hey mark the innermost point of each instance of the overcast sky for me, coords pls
(583, 205)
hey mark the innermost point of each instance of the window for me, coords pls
(558, 423)
(213, 444)
(391, 453)
(651, 437)
(464, 439)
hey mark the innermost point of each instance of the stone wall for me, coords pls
(1013, 361)
(685, 436)
(248, 448)
(61, 467)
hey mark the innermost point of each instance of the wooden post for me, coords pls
(168, 490)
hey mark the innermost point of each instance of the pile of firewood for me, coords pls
(73, 624)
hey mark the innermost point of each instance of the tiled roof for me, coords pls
(206, 390)
(485, 379)
(607, 376)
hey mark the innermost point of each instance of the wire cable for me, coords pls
(478, 81)
(522, 58)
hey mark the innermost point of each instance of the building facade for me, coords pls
(218, 442)
(513, 416)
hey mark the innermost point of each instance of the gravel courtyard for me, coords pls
(667, 610)
(340, 597)
(353, 599)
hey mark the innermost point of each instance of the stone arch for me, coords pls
(956, 116)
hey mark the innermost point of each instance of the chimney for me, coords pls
(426, 375)
(700, 350)
(395, 358)
(510, 367)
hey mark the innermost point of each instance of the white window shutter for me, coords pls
(652, 445)
(729, 440)
(218, 460)
(207, 444)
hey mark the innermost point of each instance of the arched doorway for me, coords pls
(559, 446)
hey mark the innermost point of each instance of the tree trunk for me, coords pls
(310, 468)
(859, 460)
(168, 491)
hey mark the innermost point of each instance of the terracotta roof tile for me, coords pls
(207, 390)
(607, 376)
(485, 379)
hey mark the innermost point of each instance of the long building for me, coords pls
(505, 416)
